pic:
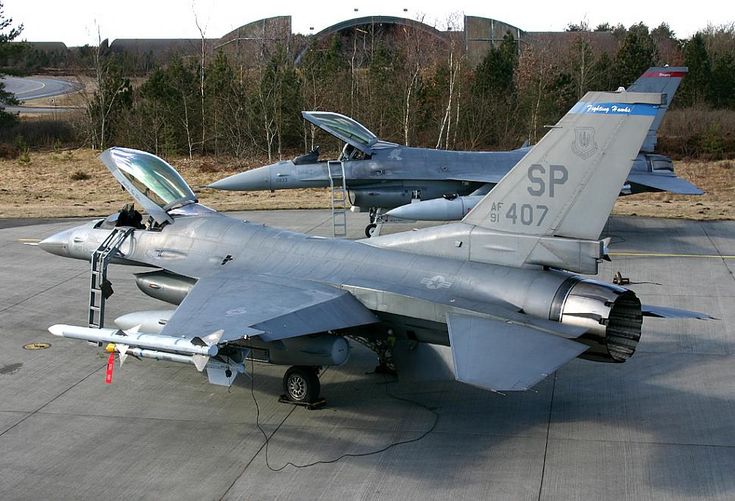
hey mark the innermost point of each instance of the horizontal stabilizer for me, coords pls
(422, 362)
(498, 356)
(666, 312)
(671, 184)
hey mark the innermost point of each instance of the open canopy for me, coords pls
(153, 183)
(345, 128)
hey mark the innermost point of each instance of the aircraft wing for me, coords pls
(671, 184)
(269, 307)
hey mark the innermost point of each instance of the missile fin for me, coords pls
(213, 338)
(132, 331)
(200, 361)
(122, 349)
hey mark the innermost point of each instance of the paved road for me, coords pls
(659, 426)
(27, 88)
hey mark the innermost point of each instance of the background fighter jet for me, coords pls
(492, 300)
(381, 175)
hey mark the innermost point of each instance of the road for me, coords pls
(658, 427)
(27, 88)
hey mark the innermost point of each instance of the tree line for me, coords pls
(401, 84)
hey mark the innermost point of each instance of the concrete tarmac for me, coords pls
(660, 426)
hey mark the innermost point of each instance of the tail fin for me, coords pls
(567, 184)
(664, 80)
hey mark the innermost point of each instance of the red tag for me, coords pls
(110, 366)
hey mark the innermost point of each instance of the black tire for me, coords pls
(369, 229)
(301, 384)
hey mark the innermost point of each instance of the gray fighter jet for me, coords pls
(493, 301)
(381, 175)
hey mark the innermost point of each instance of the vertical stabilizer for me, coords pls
(567, 184)
(664, 80)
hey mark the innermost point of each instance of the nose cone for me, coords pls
(250, 180)
(405, 212)
(58, 243)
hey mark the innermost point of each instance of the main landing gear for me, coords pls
(301, 387)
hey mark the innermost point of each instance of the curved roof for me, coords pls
(362, 21)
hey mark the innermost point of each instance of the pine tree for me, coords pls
(722, 84)
(637, 53)
(695, 88)
(7, 34)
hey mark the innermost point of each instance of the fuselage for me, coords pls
(393, 176)
(411, 293)
(390, 177)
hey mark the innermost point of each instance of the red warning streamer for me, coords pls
(110, 366)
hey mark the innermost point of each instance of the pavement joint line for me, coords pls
(326, 219)
(642, 442)
(718, 250)
(33, 413)
(664, 254)
(548, 432)
(131, 418)
(44, 290)
(257, 453)
(681, 295)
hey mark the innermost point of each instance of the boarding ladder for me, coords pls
(99, 288)
(338, 190)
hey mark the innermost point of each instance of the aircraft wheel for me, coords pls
(301, 384)
(369, 229)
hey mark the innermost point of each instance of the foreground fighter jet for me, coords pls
(493, 301)
(381, 175)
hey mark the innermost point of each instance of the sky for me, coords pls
(76, 22)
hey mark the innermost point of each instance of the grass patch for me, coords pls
(80, 175)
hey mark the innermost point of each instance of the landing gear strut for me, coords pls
(301, 387)
(374, 215)
(383, 348)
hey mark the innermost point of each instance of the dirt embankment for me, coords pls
(75, 183)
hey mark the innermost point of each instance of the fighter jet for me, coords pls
(495, 301)
(380, 175)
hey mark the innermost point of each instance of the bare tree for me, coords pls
(446, 124)
(111, 90)
(202, 66)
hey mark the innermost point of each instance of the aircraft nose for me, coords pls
(250, 180)
(58, 243)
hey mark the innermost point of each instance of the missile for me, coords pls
(437, 209)
(199, 361)
(206, 345)
(306, 350)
